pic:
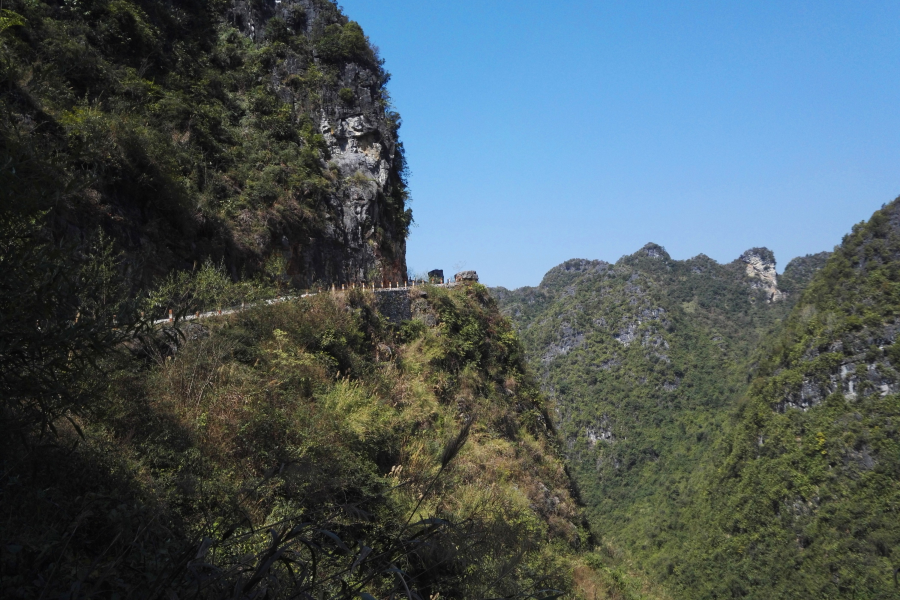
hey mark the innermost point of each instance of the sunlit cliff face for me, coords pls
(763, 269)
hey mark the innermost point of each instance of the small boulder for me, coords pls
(383, 352)
(466, 276)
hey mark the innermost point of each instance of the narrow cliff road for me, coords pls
(397, 287)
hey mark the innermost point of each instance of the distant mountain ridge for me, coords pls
(737, 433)
(645, 359)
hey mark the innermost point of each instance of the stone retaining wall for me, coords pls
(394, 304)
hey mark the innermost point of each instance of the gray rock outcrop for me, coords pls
(760, 266)
(361, 235)
(470, 276)
(655, 251)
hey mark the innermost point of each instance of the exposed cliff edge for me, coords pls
(760, 265)
(360, 240)
(259, 134)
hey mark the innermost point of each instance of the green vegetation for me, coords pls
(806, 502)
(645, 359)
(800, 271)
(151, 153)
(729, 447)
(300, 448)
(188, 139)
(158, 156)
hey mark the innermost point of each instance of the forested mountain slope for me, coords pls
(257, 133)
(806, 503)
(645, 358)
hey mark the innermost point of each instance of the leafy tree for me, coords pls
(63, 307)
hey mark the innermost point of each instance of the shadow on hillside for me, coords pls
(75, 522)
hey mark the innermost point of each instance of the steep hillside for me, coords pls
(645, 358)
(258, 133)
(806, 504)
(303, 449)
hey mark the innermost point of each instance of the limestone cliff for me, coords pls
(760, 266)
(360, 240)
(258, 134)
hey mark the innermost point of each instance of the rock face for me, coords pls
(268, 142)
(363, 237)
(655, 251)
(760, 265)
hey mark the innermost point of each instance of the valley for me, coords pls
(214, 383)
(668, 378)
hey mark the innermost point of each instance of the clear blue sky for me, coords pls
(542, 131)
